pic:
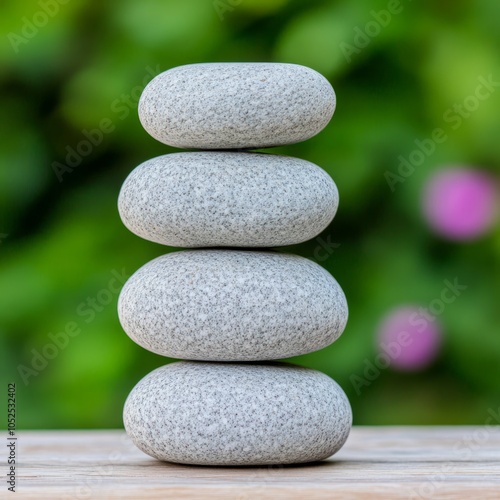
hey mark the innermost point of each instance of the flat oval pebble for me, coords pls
(237, 414)
(232, 305)
(208, 199)
(236, 105)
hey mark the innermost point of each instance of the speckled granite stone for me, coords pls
(210, 199)
(236, 105)
(237, 414)
(232, 305)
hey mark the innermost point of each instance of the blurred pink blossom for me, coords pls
(460, 203)
(410, 337)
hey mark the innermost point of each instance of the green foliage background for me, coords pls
(89, 62)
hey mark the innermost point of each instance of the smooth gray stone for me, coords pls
(237, 414)
(232, 305)
(209, 199)
(236, 105)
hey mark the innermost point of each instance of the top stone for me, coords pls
(236, 105)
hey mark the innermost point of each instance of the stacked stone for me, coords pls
(229, 311)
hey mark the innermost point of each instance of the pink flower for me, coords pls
(410, 337)
(460, 203)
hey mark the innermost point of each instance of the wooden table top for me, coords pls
(376, 462)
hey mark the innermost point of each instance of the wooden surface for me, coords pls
(376, 462)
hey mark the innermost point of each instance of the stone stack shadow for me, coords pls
(225, 306)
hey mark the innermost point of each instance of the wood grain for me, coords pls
(376, 463)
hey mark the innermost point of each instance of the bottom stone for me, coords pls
(204, 413)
